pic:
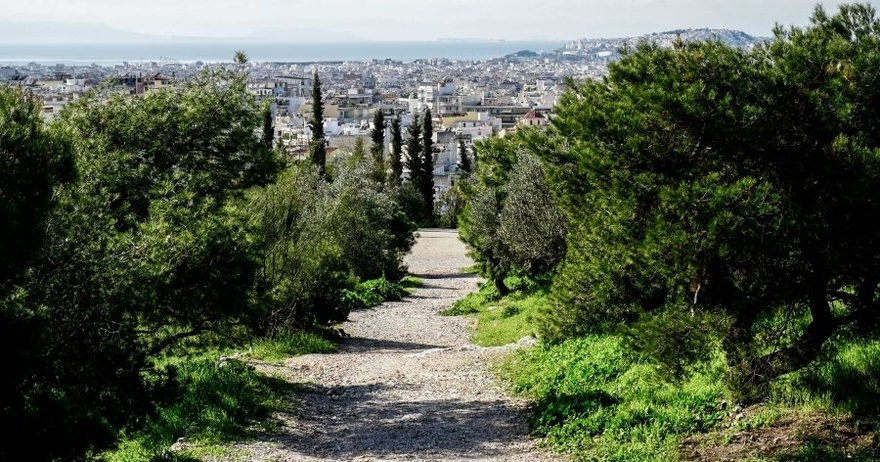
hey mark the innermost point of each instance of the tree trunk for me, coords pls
(500, 286)
(750, 375)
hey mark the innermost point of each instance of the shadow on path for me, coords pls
(351, 421)
(460, 275)
(368, 345)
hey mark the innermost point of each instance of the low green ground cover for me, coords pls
(598, 400)
(214, 397)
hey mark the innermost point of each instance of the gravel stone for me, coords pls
(407, 385)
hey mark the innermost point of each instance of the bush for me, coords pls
(321, 239)
(374, 292)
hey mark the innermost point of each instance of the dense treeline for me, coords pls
(702, 198)
(133, 226)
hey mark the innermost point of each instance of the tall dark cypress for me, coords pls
(268, 127)
(414, 152)
(426, 185)
(464, 162)
(317, 147)
(377, 150)
(396, 152)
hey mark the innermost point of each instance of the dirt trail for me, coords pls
(407, 385)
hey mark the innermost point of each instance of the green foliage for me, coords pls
(32, 162)
(426, 183)
(449, 206)
(322, 238)
(410, 201)
(372, 230)
(374, 292)
(508, 321)
(734, 185)
(600, 399)
(817, 451)
(377, 149)
(531, 226)
(396, 162)
(474, 302)
(594, 398)
(846, 379)
(317, 145)
(464, 160)
(145, 248)
(357, 152)
(285, 344)
(208, 401)
(503, 320)
(510, 220)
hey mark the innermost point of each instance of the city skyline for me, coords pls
(387, 20)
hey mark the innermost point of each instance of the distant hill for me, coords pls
(12, 32)
(734, 38)
(608, 47)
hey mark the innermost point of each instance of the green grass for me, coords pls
(596, 400)
(208, 402)
(599, 401)
(374, 292)
(288, 344)
(501, 321)
(508, 320)
(848, 380)
(411, 282)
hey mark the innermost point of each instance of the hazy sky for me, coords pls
(420, 19)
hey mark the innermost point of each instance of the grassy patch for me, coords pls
(597, 401)
(502, 320)
(208, 402)
(474, 302)
(412, 282)
(847, 379)
(288, 344)
(508, 320)
(374, 292)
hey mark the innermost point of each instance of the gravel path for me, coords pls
(407, 385)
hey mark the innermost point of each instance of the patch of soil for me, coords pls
(736, 439)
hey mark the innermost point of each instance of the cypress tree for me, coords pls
(426, 185)
(377, 135)
(317, 147)
(414, 152)
(464, 162)
(268, 127)
(396, 151)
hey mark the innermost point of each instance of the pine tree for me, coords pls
(414, 152)
(317, 147)
(396, 152)
(377, 135)
(426, 186)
